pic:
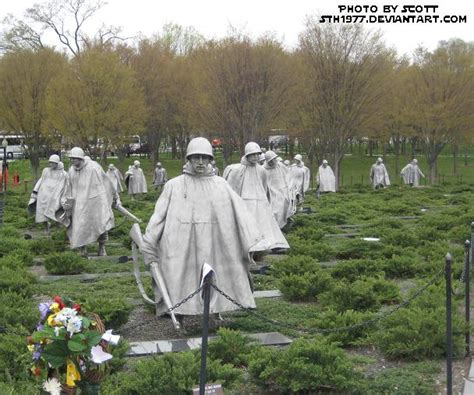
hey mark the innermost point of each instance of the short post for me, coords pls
(467, 302)
(472, 243)
(205, 332)
(449, 331)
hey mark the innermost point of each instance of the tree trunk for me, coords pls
(35, 164)
(455, 159)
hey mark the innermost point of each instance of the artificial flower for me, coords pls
(36, 371)
(31, 347)
(65, 315)
(59, 301)
(44, 310)
(53, 386)
(112, 339)
(72, 374)
(99, 355)
(51, 320)
(76, 307)
(36, 355)
(74, 325)
(54, 307)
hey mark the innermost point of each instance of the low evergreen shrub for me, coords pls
(304, 287)
(231, 347)
(64, 263)
(15, 359)
(418, 378)
(353, 269)
(418, 331)
(16, 309)
(330, 319)
(367, 293)
(114, 311)
(306, 365)
(17, 280)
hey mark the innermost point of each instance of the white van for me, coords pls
(15, 147)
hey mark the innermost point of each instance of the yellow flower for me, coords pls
(51, 321)
(54, 307)
(31, 347)
(72, 374)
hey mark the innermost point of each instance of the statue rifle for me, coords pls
(136, 235)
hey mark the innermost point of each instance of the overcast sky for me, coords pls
(286, 19)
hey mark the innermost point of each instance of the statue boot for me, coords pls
(83, 251)
(102, 251)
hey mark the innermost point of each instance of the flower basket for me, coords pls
(72, 346)
(68, 390)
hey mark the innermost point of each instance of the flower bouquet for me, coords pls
(69, 346)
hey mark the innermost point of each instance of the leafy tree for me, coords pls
(96, 101)
(164, 72)
(25, 76)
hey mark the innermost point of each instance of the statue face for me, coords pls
(271, 163)
(199, 163)
(78, 163)
(53, 165)
(253, 158)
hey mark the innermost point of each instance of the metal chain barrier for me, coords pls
(332, 330)
(190, 296)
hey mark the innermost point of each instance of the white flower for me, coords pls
(53, 386)
(65, 315)
(99, 355)
(74, 325)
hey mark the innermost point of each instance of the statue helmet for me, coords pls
(111, 166)
(286, 162)
(325, 162)
(379, 160)
(199, 146)
(159, 164)
(77, 152)
(270, 155)
(415, 161)
(54, 158)
(298, 157)
(136, 162)
(252, 148)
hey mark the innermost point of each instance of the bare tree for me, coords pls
(65, 18)
(439, 97)
(245, 87)
(343, 86)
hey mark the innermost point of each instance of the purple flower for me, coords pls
(36, 356)
(40, 326)
(44, 310)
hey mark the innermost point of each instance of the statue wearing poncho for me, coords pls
(199, 219)
(278, 185)
(249, 181)
(325, 178)
(91, 197)
(49, 192)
